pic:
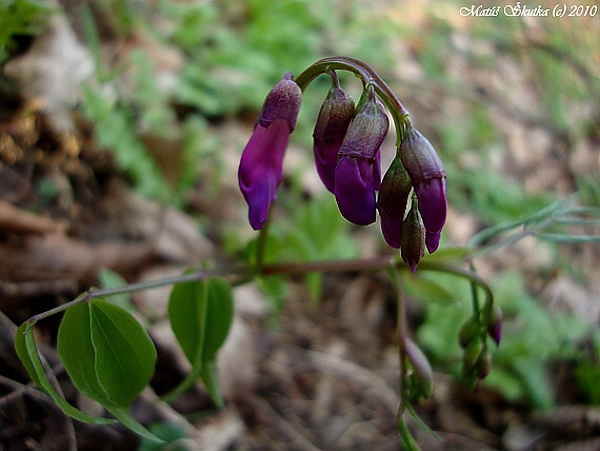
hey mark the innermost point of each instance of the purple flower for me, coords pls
(495, 325)
(358, 171)
(391, 202)
(429, 180)
(335, 116)
(354, 189)
(261, 164)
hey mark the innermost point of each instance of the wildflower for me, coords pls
(412, 239)
(261, 164)
(494, 329)
(335, 116)
(429, 180)
(358, 173)
(391, 202)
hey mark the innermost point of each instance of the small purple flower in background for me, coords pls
(261, 164)
(429, 180)
(495, 325)
(358, 172)
(335, 116)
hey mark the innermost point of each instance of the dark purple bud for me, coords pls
(495, 325)
(391, 202)
(412, 240)
(282, 103)
(354, 190)
(429, 179)
(358, 171)
(334, 118)
(261, 164)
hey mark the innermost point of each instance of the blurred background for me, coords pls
(121, 127)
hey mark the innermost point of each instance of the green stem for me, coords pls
(464, 273)
(367, 75)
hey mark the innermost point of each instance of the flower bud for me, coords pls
(429, 179)
(495, 325)
(391, 202)
(423, 375)
(472, 353)
(282, 103)
(412, 239)
(484, 365)
(357, 174)
(468, 331)
(261, 164)
(335, 116)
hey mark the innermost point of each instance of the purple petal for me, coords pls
(432, 241)
(354, 191)
(326, 160)
(432, 203)
(391, 227)
(260, 169)
(377, 171)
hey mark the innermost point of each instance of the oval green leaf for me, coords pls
(106, 352)
(201, 313)
(27, 352)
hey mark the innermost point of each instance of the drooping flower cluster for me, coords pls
(347, 141)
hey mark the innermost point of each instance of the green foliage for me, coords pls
(20, 17)
(533, 338)
(115, 130)
(109, 357)
(27, 351)
(168, 432)
(315, 232)
(201, 314)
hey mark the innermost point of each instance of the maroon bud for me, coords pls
(357, 174)
(391, 202)
(495, 325)
(429, 179)
(334, 118)
(412, 240)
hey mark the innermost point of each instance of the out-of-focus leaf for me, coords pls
(426, 288)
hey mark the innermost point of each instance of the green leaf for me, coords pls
(425, 288)
(185, 310)
(106, 352)
(27, 352)
(201, 313)
(110, 279)
(124, 416)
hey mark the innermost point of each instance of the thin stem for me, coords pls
(291, 268)
(465, 273)
(401, 332)
(95, 293)
(367, 75)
